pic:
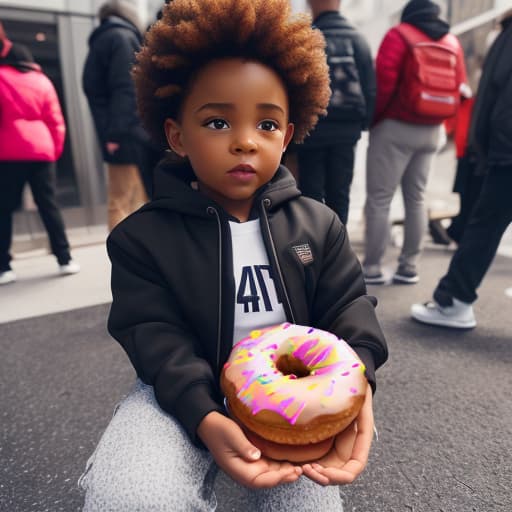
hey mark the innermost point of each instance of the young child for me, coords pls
(226, 246)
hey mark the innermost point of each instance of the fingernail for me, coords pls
(255, 454)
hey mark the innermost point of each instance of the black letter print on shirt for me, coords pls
(250, 296)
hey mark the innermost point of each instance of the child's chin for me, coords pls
(290, 452)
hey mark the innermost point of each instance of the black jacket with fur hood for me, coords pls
(173, 286)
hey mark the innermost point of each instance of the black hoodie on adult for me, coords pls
(424, 15)
(174, 293)
(108, 84)
(490, 132)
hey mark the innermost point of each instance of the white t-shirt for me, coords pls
(256, 303)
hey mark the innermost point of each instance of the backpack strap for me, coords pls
(411, 34)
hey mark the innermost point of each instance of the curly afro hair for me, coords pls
(192, 33)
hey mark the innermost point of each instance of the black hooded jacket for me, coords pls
(108, 84)
(424, 15)
(491, 124)
(173, 286)
(329, 131)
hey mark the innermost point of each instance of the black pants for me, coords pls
(480, 240)
(468, 185)
(326, 173)
(40, 176)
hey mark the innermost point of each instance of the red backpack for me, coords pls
(430, 78)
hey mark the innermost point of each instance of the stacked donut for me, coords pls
(292, 389)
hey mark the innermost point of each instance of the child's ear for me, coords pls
(173, 134)
(288, 135)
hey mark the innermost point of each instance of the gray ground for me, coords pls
(442, 408)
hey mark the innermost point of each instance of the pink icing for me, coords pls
(336, 373)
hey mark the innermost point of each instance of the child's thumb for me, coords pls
(246, 449)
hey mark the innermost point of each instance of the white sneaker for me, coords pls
(71, 267)
(459, 316)
(7, 277)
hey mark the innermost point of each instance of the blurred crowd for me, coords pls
(414, 91)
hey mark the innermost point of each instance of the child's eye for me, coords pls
(217, 124)
(268, 125)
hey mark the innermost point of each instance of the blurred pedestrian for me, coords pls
(108, 85)
(412, 104)
(326, 158)
(491, 136)
(32, 132)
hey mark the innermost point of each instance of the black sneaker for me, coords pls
(375, 278)
(405, 276)
(438, 233)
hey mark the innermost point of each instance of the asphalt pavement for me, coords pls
(442, 407)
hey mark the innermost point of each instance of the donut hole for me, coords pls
(290, 365)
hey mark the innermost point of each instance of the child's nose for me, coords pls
(243, 143)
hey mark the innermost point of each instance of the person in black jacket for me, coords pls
(490, 136)
(326, 158)
(126, 148)
(227, 245)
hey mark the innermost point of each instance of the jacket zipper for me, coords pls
(212, 211)
(266, 203)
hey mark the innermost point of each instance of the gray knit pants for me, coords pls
(145, 462)
(398, 154)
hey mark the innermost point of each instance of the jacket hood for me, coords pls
(20, 57)
(424, 15)
(174, 190)
(506, 19)
(331, 19)
(124, 9)
(114, 22)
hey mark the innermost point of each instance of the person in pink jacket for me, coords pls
(32, 132)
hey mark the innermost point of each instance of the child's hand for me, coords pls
(239, 458)
(349, 455)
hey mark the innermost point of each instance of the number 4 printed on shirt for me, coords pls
(248, 280)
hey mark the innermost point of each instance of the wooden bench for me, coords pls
(435, 227)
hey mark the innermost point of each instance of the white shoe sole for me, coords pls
(397, 278)
(419, 314)
(69, 271)
(7, 278)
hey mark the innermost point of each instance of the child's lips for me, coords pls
(242, 172)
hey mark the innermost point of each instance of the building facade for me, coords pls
(57, 32)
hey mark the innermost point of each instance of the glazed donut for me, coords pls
(292, 389)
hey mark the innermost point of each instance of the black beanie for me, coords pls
(420, 9)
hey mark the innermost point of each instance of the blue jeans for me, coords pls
(145, 462)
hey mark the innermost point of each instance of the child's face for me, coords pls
(233, 128)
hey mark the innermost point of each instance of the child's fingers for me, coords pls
(284, 475)
(315, 475)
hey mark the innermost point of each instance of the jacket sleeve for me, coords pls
(389, 63)
(461, 63)
(53, 118)
(366, 70)
(342, 305)
(145, 319)
(122, 113)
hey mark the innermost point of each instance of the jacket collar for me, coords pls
(174, 190)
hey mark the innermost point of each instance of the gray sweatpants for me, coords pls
(398, 154)
(145, 462)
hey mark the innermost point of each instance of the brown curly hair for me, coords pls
(192, 33)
